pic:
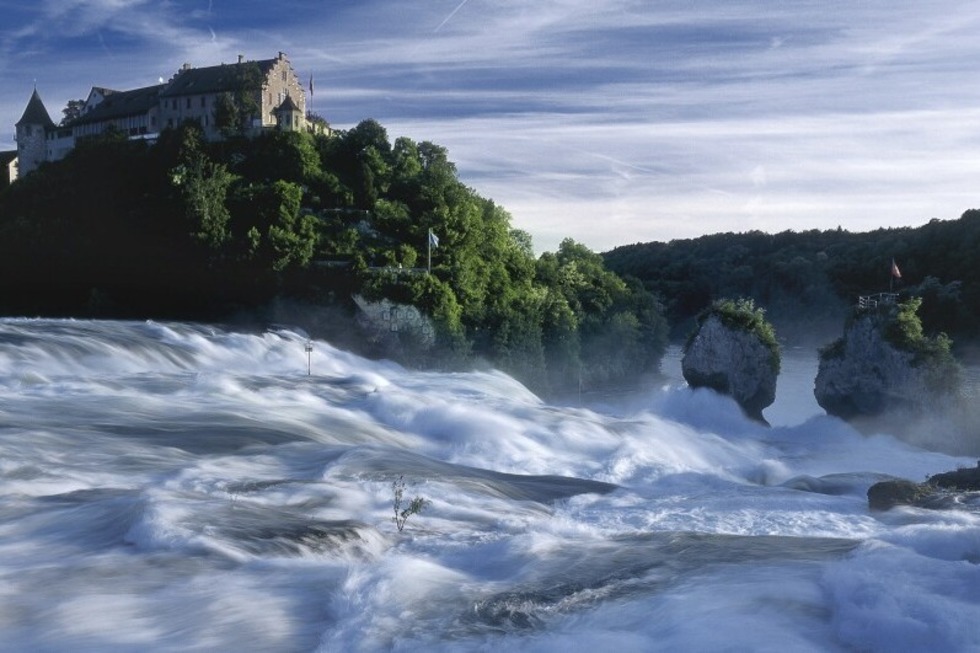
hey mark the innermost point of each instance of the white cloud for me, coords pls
(609, 184)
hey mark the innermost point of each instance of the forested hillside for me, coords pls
(194, 230)
(807, 280)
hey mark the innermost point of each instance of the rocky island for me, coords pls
(734, 351)
(884, 370)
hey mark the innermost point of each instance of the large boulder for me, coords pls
(965, 479)
(885, 495)
(883, 367)
(734, 352)
(954, 489)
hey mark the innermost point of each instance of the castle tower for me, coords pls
(32, 134)
(289, 117)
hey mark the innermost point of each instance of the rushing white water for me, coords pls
(172, 487)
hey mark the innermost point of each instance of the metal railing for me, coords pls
(879, 299)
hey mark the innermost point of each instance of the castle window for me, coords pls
(284, 74)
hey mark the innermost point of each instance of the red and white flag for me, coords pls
(895, 271)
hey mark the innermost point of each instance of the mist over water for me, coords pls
(795, 402)
(177, 487)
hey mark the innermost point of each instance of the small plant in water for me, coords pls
(414, 507)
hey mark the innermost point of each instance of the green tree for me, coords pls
(72, 111)
(204, 186)
(619, 329)
(290, 156)
(278, 234)
(361, 159)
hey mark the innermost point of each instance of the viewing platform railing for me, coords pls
(874, 301)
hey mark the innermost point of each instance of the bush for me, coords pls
(415, 506)
(832, 351)
(903, 329)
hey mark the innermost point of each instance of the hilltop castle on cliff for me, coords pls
(254, 95)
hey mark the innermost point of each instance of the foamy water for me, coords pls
(172, 487)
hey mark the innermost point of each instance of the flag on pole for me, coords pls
(433, 242)
(311, 85)
(895, 271)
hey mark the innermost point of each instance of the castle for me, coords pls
(270, 89)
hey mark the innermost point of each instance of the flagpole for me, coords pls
(429, 241)
(309, 112)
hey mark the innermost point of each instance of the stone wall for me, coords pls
(32, 148)
(280, 83)
(395, 328)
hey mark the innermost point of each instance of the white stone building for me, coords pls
(269, 90)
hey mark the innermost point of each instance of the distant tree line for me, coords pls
(189, 229)
(808, 281)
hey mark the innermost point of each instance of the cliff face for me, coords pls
(733, 362)
(867, 376)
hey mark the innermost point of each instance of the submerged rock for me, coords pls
(945, 490)
(885, 495)
(963, 480)
(734, 352)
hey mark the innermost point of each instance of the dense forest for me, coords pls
(189, 229)
(808, 281)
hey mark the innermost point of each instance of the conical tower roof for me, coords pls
(288, 105)
(36, 113)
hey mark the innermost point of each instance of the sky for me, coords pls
(610, 122)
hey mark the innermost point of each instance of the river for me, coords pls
(181, 487)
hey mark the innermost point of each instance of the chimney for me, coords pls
(241, 58)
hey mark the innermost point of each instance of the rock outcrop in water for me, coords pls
(884, 367)
(885, 495)
(949, 489)
(734, 351)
